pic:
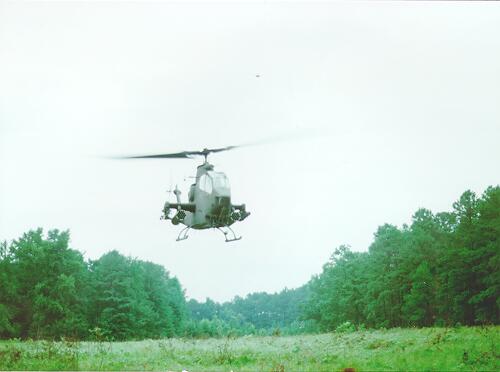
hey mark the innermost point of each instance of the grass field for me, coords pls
(431, 349)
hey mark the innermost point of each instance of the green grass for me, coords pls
(430, 349)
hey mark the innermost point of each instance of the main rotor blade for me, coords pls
(220, 149)
(296, 135)
(179, 155)
(205, 152)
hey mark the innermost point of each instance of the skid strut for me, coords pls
(183, 235)
(229, 230)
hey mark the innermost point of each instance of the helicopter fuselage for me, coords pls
(209, 203)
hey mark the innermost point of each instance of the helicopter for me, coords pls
(209, 198)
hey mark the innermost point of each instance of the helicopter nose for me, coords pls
(223, 201)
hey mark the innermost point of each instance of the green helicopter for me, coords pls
(209, 198)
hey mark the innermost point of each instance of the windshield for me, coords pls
(205, 183)
(220, 180)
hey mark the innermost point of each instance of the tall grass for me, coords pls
(429, 349)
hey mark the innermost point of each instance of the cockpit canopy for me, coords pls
(214, 181)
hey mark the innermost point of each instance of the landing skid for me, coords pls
(227, 231)
(183, 235)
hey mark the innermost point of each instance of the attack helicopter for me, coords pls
(209, 198)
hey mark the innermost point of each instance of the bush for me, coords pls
(346, 327)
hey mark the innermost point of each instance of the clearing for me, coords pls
(430, 349)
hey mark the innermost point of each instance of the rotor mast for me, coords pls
(205, 153)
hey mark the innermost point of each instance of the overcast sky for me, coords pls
(387, 107)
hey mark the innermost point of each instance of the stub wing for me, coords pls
(182, 211)
(188, 207)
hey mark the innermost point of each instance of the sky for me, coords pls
(376, 108)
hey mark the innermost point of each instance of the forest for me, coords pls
(443, 269)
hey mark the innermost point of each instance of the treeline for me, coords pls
(258, 313)
(443, 269)
(48, 290)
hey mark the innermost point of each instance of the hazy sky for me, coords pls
(403, 99)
